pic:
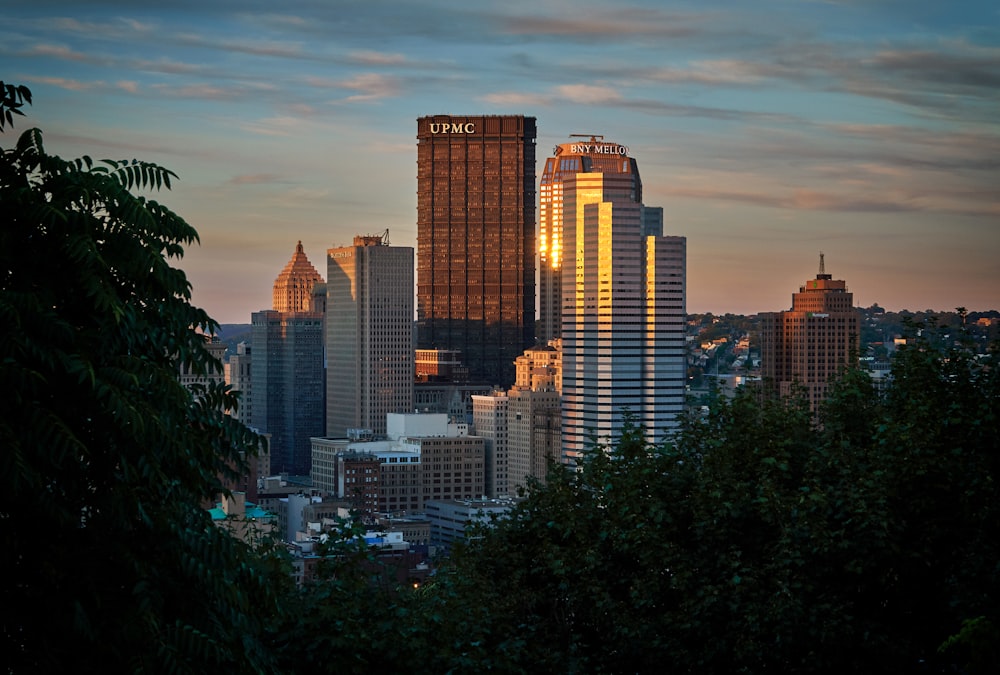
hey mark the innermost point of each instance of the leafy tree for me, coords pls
(761, 541)
(111, 563)
(12, 99)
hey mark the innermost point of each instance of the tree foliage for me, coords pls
(111, 563)
(765, 540)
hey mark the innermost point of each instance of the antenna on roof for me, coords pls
(822, 267)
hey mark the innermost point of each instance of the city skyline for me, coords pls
(866, 130)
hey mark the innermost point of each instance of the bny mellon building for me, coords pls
(623, 301)
(590, 154)
(476, 240)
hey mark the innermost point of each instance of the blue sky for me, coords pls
(769, 131)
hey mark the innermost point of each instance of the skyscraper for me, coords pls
(623, 313)
(369, 329)
(809, 344)
(590, 154)
(293, 289)
(286, 370)
(476, 240)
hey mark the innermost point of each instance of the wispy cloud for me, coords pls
(369, 86)
(371, 58)
(588, 93)
(269, 48)
(256, 179)
(273, 126)
(606, 24)
(806, 199)
(115, 29)
(64, 83)
(61, 52)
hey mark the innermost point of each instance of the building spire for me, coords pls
(292, 290)
(822, 268)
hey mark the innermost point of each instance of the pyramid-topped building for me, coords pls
(293, 289)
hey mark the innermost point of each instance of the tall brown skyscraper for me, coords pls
(476, 240)
(810, 343)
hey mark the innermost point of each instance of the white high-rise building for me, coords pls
(623, 314)
(369, 334)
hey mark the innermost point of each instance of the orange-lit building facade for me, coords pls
(293, 289)
(809, 344)
(624, 305)
(476, 240)
(589, 154)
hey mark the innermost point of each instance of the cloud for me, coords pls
(255, 179)
(117, 28)
(597, 95)
(711, 72)
(273, 126)
(371, 86)
(588, 94)
(269, 48)
(516, 99)
(202, 91)
(372, 58)
(64, 83)
(169, 66)
(61, 52)
(979, 70)
(805, 199)
(606, 25)
(130, 86)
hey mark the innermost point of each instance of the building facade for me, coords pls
(238, 377)
(369, 334)
(534, 417)
(623, 315)
(293, 289)
(424, 457)
(286, 371)
(808, 345)
(476, 240)
(489, 419)
(585, 155)
(287, 375)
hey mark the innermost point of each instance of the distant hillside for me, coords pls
(228, 331)
(233, 334)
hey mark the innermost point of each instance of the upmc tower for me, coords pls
(476, 240)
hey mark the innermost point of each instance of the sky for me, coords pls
(769, 131)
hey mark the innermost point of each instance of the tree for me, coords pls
(111, 563)
(760, 541)
(12, 99)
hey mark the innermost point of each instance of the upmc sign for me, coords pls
(453, 128)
